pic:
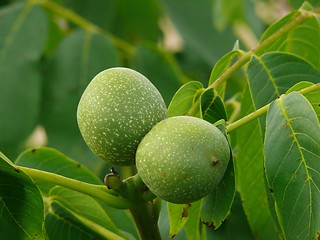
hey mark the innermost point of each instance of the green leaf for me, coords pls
(212, 106)
(250, 174)
(84, 206)
(143, 16)
(313, 97)
(80, 56)
(297, 3)
(51, 160)
(62, 223)
(192, 99)
(20, 89)
(225, 13)
(301, 41)
(274, 73)
(184, 98)
(202, 38)
(22, 210)
(217, 204)
(99, 12)
(160, 68)
(187, 215)
(292, 163)
(239, 11)
(235, 227)
(191, 227)
(178, 216)
(220, 67)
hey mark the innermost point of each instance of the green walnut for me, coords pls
(182, 159)
(116, 110)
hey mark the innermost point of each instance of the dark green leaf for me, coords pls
(274, 73)
(217, 204)
(137, 20)
(51, 160)
(193, 20)
(78, 59)
(292, 163)
(22, 210)
(23, 30)
(250, 175)
(302, 40)
(235, 227)
(99, 12)
(185, 98)
(212, 106)
(160, 68)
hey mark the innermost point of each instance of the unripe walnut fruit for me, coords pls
(116, 110)
(182, 159)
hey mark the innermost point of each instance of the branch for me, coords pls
(304, 15)
(259, 112)
(96, 191)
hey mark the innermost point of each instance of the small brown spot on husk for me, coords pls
(215, 162)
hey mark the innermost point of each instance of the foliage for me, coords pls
(262, 91)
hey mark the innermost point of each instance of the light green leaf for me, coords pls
(84, 206)
(313, 97)
(51, 160)
(185, 98)
(187, 215)
(250, 175)
(20, 80)
(193, 100)
(178, 216)
(220, 67)
(160, 68)
(80, 56)
(292, 165)
(22, 210)
(302, 40)
(191, 227)
(62, 223)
